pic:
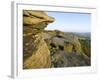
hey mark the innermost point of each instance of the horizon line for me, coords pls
(70, 31)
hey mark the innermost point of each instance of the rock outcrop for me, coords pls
(65, 49)
(35, 51)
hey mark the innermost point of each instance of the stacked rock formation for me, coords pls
(35, 51)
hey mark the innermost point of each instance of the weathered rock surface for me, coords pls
(40, 57)
(35, 51)
(66, 49)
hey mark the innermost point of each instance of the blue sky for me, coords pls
(70, 22)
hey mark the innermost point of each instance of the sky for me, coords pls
(70, 22)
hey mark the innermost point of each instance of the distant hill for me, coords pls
(83, 34)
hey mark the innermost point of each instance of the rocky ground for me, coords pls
(46, 49)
